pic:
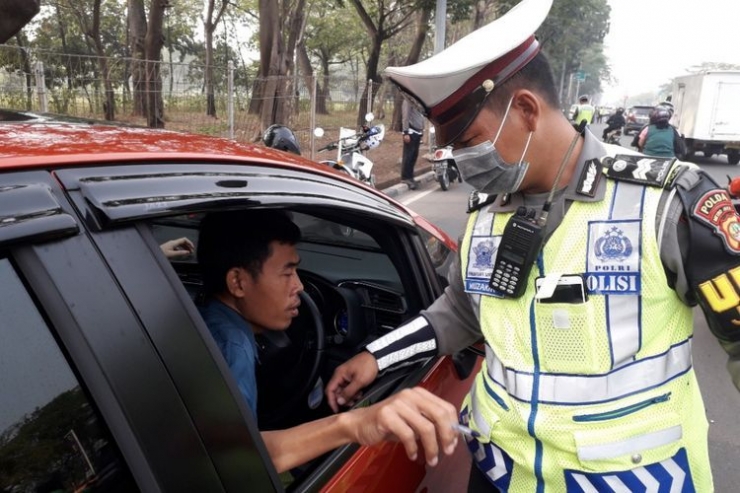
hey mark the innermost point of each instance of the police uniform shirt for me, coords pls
(454, 308)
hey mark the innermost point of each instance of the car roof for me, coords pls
(35, 140)
(45, 141)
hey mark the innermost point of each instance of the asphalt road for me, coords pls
(722, 400)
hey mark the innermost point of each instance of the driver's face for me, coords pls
(271, 301)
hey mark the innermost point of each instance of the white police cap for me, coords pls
(450, 87)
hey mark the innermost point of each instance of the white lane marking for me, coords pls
(418, 196)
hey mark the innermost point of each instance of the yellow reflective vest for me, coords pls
(584, 112)
(594, 395)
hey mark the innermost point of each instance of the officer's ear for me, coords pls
(529, 108)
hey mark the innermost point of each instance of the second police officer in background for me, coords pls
(587, 383)
(584, 112)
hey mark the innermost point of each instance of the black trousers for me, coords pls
(478, 482)
(410, 155)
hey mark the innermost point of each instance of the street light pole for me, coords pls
(440, 24)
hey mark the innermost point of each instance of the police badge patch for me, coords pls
(613, 263)
(715, 210)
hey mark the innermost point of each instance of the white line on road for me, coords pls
(418, 196)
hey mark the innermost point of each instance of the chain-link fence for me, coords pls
(74, 85)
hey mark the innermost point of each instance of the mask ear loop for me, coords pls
(501, 127)
(526, 147)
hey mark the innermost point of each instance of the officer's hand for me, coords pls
(349, 378)
(406, 138)
(411, 416)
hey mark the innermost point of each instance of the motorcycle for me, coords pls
(351, 148)
(614, 136)
(443, 165)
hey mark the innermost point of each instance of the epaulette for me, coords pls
(477, 200)
(643, 170)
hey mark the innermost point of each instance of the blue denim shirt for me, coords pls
(236, 341)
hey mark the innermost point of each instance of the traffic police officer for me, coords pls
(584, 112)
(578, 268)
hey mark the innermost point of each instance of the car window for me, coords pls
(51, 436)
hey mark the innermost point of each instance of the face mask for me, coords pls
(486, 171)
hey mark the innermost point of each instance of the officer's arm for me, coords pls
(702, 257)
(447, 326)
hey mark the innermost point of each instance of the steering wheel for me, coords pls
(287, 373)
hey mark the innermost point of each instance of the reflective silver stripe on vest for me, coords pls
(623, 322)
(630, 445)
(480, 421)
(590, 389)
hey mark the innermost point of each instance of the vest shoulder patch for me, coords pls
(643, 170)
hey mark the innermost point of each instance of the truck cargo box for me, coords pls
(707, 112)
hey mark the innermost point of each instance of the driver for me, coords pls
(249, 266)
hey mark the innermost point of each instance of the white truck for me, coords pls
(707, 112)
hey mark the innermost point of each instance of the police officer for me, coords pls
(599, 255)
(584, 112)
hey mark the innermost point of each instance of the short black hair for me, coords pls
(241, 238)
(536, 76)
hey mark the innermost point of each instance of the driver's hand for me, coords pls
(410, 416)
(349, 378)
(406, 138)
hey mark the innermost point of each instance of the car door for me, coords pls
(92, 376)
(115, 202)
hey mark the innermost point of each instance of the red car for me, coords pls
(110, 378)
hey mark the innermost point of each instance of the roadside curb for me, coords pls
(399, 188)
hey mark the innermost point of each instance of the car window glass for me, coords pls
(51, 437)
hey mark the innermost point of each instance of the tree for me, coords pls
(137, 27)
(331, 39)
(210, 21)
(153, 42)
(280, 26)
(382, 21)
(91, 28)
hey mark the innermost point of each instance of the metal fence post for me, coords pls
(41, 87)
(312, 117)
(230, 98)
(369, 96)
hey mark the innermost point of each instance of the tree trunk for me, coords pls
(20, 38)
(371, 75)
(110, 101)
(210, 22)
(152, 50)
(137, 27)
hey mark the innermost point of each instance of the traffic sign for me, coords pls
(580, 76)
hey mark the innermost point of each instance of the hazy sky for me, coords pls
(652, 41)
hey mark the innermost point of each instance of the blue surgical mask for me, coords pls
(486, 171)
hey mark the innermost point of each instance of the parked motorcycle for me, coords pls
(443, 165)
(351, 148)
(614, 136)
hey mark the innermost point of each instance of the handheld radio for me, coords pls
(519, 247)
(522, 240)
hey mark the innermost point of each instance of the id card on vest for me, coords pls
(480, 265)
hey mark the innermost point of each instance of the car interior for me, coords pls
(358, 278)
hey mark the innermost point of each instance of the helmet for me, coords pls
(583, 99)
(620, 110)
(660, 115)
(281, 138)
(667, 105)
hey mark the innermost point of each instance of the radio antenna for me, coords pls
(548, 203)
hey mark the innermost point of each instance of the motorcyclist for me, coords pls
(281, 138)
(614, 122)
(660, 138)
